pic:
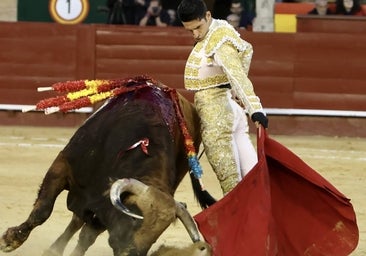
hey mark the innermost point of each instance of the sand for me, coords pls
(27, 152)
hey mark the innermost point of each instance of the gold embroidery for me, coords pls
(243, 90)
(220, 36)
(194, 60)
(201, 72)
(191, 72)
(195, 84)
(198, 47)
(216, 126)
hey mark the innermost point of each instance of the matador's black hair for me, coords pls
(189, 10)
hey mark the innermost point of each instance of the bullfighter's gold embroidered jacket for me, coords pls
(222, 57)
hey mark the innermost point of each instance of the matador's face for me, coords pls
(199, 27)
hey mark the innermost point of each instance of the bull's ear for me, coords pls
(110, 183)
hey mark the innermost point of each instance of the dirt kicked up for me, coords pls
(27, 152)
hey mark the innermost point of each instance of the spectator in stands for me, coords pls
(155, 15)
(120, 11)
(171, 7)
(234, 20)
(170, 4)
(221, 9)
(174, 21)
(125, 11)
(140, 10)
(349, 7)
(321, 8)
(245, 18)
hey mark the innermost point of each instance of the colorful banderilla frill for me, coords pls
(83, 93)
(193, 161)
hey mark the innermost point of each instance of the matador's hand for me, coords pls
(259, 117)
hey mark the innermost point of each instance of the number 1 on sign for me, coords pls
(69, 11)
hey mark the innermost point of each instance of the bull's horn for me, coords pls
(126, 185)
(188, 221)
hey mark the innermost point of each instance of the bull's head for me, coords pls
(153, 201)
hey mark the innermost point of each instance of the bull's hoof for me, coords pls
(12, 239)
(6, 246)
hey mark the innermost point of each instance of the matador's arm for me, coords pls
(228, 58)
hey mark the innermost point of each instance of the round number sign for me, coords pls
(69, 11)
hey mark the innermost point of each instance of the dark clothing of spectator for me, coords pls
(140, 10)
(164, 17)
(171, 7)
(246, 20)
(121, 11)
(170, 4)
(245, 17)
(349, 7)
(221, 9)
(125, 12)
(174, 20)
(155, 15)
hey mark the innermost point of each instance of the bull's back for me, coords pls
(100, 151)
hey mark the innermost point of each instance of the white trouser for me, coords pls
(224, 128)
(245, 154)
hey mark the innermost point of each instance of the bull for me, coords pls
(196, 249)
(129, 156)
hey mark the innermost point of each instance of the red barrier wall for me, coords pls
(331, 23)
(297, 70)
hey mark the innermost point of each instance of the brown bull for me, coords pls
(135, 143)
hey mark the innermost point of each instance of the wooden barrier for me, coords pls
(160, 53)
(39, 54)
(290, 71)
(293, 8)
(331, 24)
(309, 70)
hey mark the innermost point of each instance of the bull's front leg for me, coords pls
(58, 247)
(87, 237)
(52, 185)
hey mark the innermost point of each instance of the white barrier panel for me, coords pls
(269, 111)
(15, 107)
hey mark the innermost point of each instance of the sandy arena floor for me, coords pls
(27, 152)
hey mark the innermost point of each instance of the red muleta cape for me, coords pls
(282, 207)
